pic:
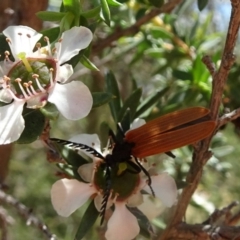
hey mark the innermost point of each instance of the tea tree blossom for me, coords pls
(35, 78)
(69, 194)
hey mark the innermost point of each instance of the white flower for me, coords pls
(37, 77)
(68, 195)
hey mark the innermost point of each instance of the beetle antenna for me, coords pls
(147, 174)
(106, 194)
(78, 146)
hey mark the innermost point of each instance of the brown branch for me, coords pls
(228, 117)
(27, 214)
(201, 153)
(102, 44)
(185, 231)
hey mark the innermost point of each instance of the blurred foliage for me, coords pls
(153, 72)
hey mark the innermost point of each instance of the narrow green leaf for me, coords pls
(146, 229)
(150, 101)
(3, 47)
(89, 218)
(112, 87)
(69, 155)
(34, 125)
(50, 111)
(202, 4)
(87, 63)
(72, 6)
(66, 22)
(101, 98)
(157, 3)
(106, 12)
(131, 103)
(92, 13)
(125, 123)
(183, 75)
(114, 3)
(51, 33)
(50, 16)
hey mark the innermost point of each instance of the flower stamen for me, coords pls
(18, 80)
(33, 90)
(46, 39)
(36, 76)
(38, 46)
(51, 76)
(7, 54)
(26, 85)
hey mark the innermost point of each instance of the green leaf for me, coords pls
(34, 125)
(125, 123)
(72, 6)
(51, 33)
(183, 75)
(69, 155)
(66, 22)
(131, 103)
(114, 3)
(157, 3)
(87, 63)
(88, 219)
(150, 101)
(112, 87)
(92, 13)
(50, 111)
(50, 16)
(101, 98)
(106, 12)
(202, 4)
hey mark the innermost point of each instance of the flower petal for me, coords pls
(86, 171)
(73, 40)
(138, 122)
(23, 39)
(68, 195)
(12, 122)
(135, 199)
(151, 207)
(122, 225)
(64, 73)
(165, 189)
(5, 96)
(91, 140)
(73, 99)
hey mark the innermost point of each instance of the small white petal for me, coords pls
(91, 140)
(5, 96)
(68, 195)
(122, 225)
(73, 40)
(135, 199)
(73, 99)
(37, 101)
(6, 66)
(12, 122)
(151, 207)
(86, 171)
(64, 73)
(138, 122)
(165, 189)
(98, 202)
(22, 43)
